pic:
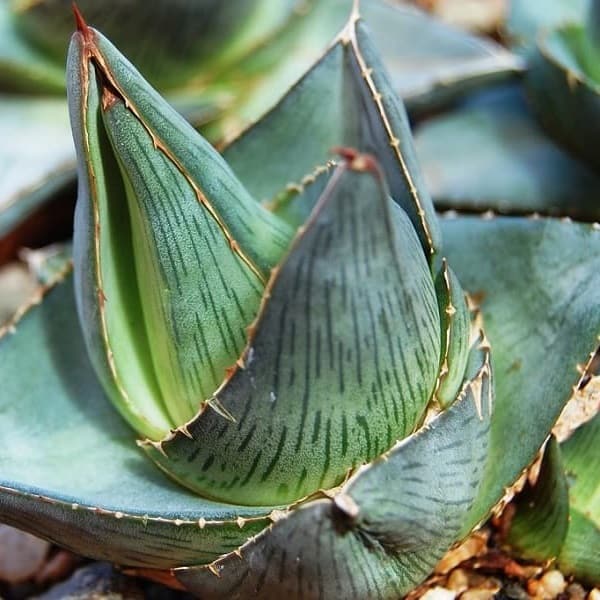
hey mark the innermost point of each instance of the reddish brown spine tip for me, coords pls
(348, 154)
(80, 23)
(357, 161)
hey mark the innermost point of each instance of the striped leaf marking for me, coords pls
(383, 533)
(342, 364)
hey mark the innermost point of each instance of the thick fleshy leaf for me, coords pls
(559, 518)
(22, 67)
(160, 217)
(513, 166)
(382, 533)
(173, 42)
(30, 173)
(539, 527)
(564, 95)
(342, 364)
(69, 468)
(542, 317)
(580, 554)
(527, 18)
(346, 99)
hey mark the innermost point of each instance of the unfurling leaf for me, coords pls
(171, 252)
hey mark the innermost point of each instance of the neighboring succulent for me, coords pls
(283, 328)
(516, 169)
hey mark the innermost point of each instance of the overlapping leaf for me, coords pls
(69, 470)
(160, 217)
(536, 282)
(342, 361)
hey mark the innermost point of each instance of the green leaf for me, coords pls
(527, 18)
(346, 99)
(564, 95)
(536, 282)
(31, 173)
(580, 554)
(382, 533)
(430, 63)
(160, 217)
(174, 43)
(69, 470)
(342, 363)
(513, 166)
(24, 68)
(539, 527)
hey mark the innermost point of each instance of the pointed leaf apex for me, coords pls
(363, 163)
(81, 25)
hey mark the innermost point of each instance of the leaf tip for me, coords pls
(356, 161)
(82, 26)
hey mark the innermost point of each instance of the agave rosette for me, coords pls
(280, 346)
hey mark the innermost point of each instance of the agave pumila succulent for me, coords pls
(291, 361)
(280, 326)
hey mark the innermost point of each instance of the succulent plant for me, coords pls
(282, 326)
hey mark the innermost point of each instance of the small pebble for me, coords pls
(575, 591)
(513, 590)
(21, 555)
(478, 594)
(549, 586)
(438, 593)
(458, 581)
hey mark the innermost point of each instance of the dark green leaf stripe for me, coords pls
(70, 471)
(382, 533)
(345, 99)
(342, 365)
(198, 297)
